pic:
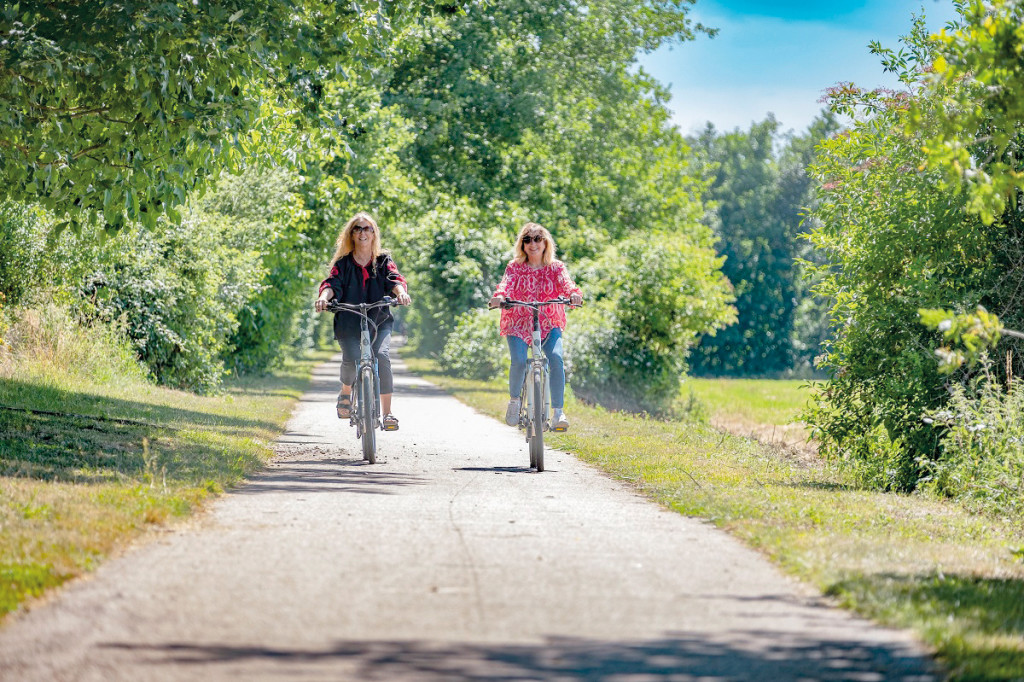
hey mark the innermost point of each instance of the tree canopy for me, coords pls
(122, 109)
(452, 124)
(977, 74)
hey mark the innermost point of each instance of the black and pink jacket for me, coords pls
(352, 283)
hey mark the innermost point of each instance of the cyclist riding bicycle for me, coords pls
(534, 274)
(362, 272)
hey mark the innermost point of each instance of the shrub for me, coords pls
(454, 257)
(475, 348)
(176, 293)
(981, 453)
(600, 363)
(651, 298)
(22, 250)
(892, 242)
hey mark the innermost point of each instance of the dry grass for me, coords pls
(92, 455)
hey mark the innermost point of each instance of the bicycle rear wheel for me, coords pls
(537, 417)
(366, 405)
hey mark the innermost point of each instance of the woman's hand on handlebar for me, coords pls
(575, 300)
(496, 302)
(402, 296)
(321, 303)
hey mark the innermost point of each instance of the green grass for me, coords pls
(93, 455)
(912, 561)
(761, 401)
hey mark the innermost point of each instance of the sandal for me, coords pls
(390, 422)
(344, 406)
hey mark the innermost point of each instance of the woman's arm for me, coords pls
(327, 288)
(567, 287)
(501, 292)
(398, 286)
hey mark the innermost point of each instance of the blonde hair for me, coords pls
(346, 244)
(519, 255)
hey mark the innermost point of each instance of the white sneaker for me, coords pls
(559, 422)
(512, 412)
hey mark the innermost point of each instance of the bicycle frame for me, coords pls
(535, 395)
(367, 361)
(366, 419)
(538, 362)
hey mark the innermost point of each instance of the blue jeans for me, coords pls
(552, 346)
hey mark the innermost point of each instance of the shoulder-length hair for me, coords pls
(519, 255)
(346, 244)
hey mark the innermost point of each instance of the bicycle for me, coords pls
(364, 413)
(534, 397)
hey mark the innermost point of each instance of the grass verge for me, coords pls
(763, 409)
(759, 401)
(911, 561)
(87, 465)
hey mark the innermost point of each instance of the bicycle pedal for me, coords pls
(391, 427)
(560, 429)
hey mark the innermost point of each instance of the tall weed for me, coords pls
(981, 460)
(49, 345)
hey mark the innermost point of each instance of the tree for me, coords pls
(977, 72)
(527, 110)
(759, 194)
(896, 241)
(122, 109)
(538, 104)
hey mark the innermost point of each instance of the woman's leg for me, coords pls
(516, 373)
(349, 353)
(556, 367)
(349, 357)
(382, 350)
(517, 349)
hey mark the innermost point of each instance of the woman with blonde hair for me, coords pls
(363, 272)
(534, 274)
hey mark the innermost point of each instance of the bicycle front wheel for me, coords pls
(537, 414)
(366, 404)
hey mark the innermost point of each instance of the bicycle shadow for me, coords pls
(329, 475)
(499, 469)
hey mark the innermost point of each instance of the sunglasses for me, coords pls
(362, 228)
(539, 239)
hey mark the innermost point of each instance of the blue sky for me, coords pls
(779, 57)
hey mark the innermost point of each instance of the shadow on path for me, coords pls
(672, 657)
(328, 476)
(498, 470)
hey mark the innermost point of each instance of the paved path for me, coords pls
(447, 560)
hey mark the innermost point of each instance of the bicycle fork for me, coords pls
(538, 364)
(366, 359)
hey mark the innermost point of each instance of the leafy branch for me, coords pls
(975, 334)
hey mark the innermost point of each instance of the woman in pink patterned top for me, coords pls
(534, 275)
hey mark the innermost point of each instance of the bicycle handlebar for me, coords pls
(339, 307)
(511, 303)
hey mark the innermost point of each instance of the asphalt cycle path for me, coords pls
(447, 560)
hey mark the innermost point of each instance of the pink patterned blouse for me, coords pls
(524, 283)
